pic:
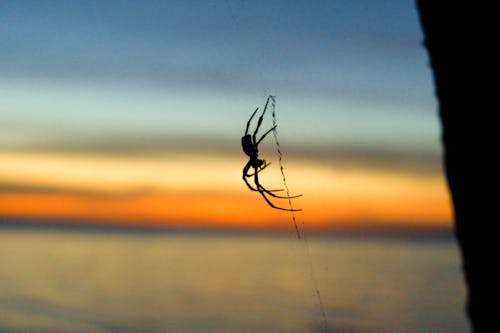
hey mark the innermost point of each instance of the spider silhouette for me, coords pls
(250, 146)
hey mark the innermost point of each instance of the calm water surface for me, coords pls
(76, 281)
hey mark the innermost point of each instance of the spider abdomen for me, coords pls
(248, 146)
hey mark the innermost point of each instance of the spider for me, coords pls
(250, 146)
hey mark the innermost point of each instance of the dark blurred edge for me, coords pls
(460, 38)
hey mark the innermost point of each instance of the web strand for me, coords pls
(280, 162)
(294, 219)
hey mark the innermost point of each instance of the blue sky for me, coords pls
(347, 74)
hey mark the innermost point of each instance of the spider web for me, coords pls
(280, 163)
(294, 219)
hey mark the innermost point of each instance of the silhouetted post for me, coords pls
(460, 39)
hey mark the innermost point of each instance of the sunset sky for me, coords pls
(131, 113)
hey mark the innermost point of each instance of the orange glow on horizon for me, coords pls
(207, 191)
(220, 210)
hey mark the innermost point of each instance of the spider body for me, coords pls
(250, 146)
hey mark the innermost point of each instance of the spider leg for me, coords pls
(261, 118)
(261, 189)
(249, 120)
(247, 175)
(262, 168)
(276, 207)
(262, 137)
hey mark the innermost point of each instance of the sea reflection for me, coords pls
(82, 281)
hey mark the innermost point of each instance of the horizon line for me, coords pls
(366, 229)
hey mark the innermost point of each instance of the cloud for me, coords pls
(29, 188)
(419, 163)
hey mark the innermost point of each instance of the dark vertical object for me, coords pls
(460, 39)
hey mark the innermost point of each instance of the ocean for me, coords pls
(70, 280)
